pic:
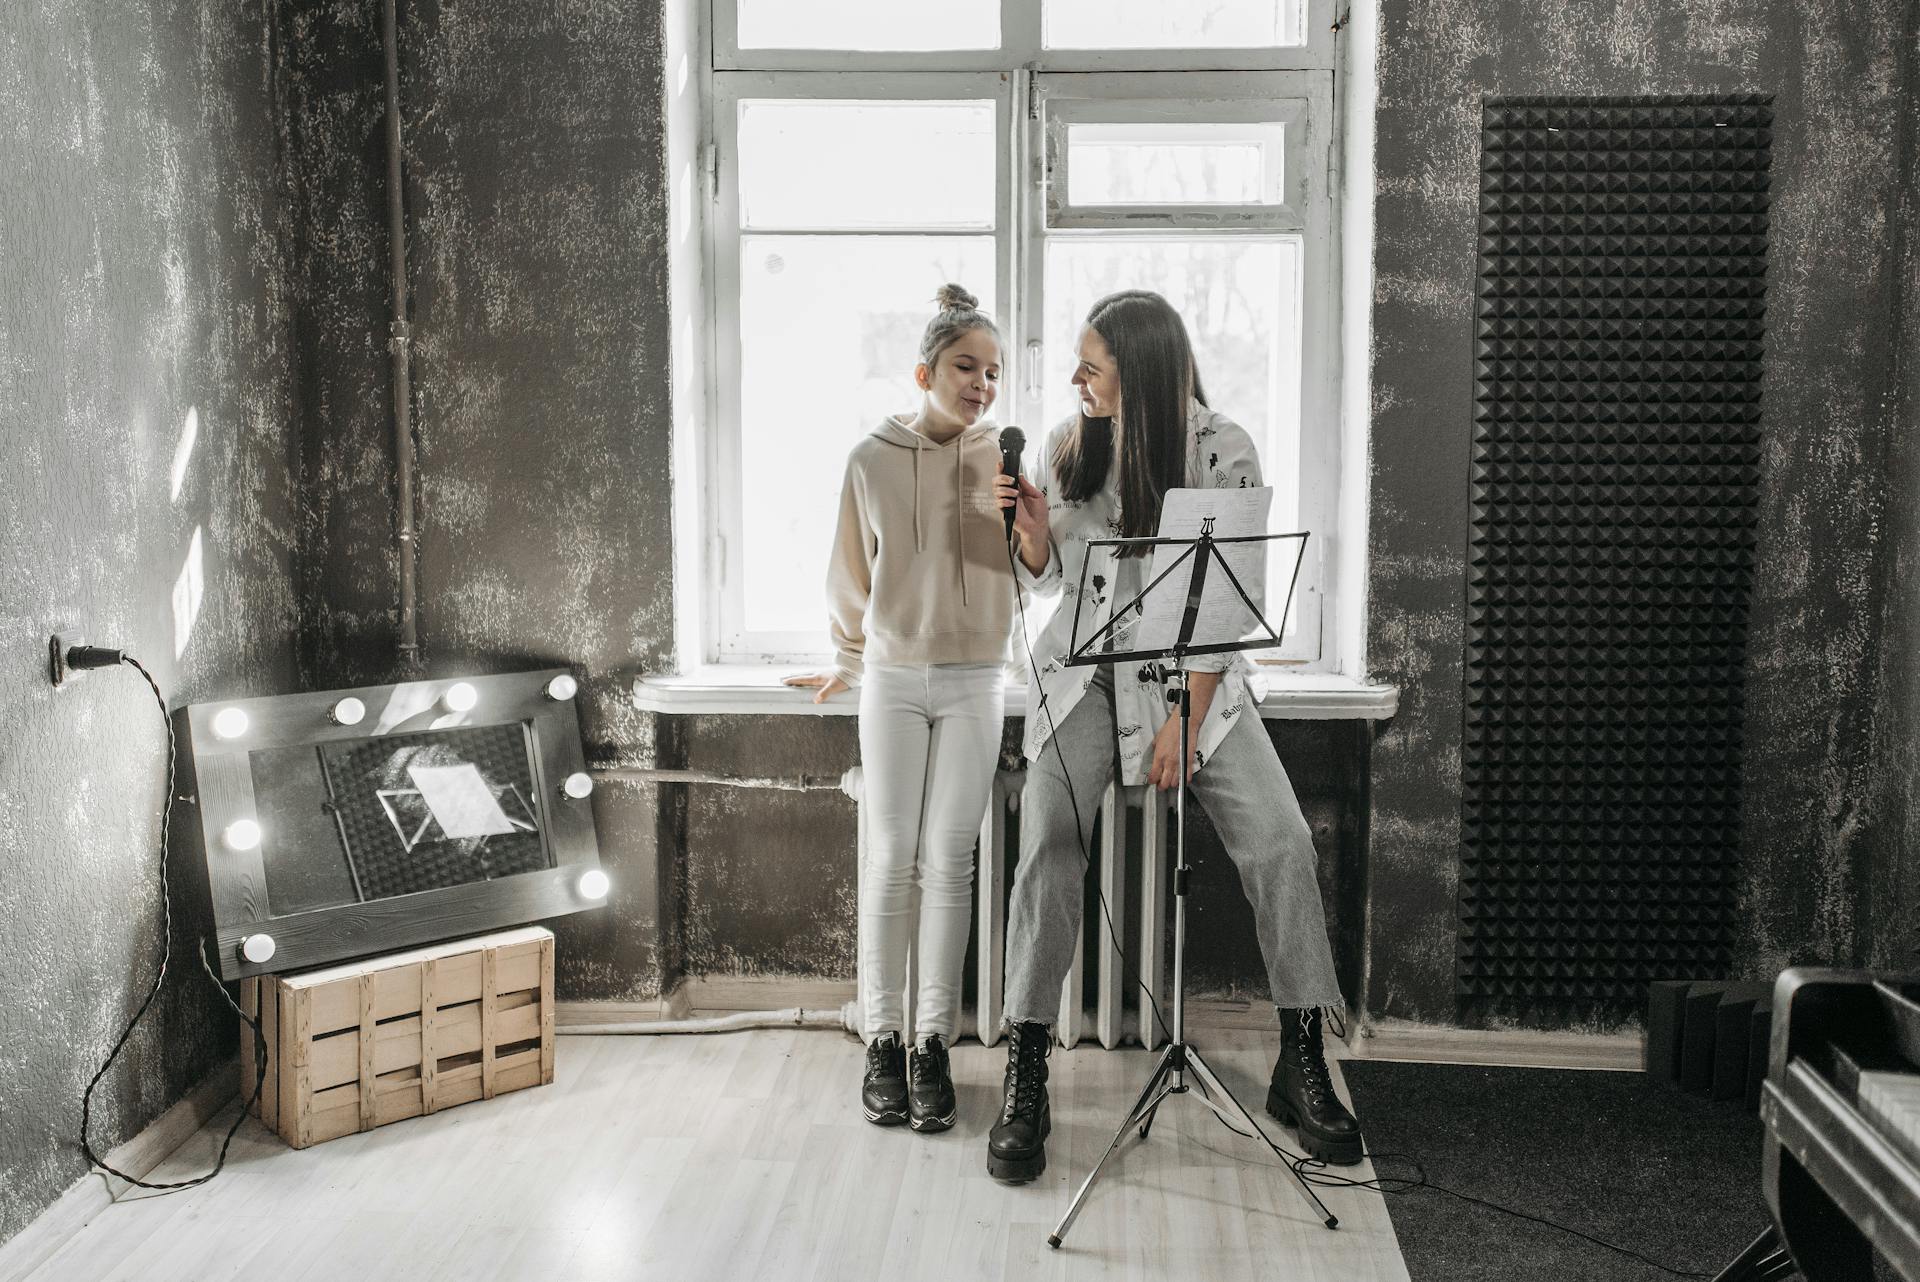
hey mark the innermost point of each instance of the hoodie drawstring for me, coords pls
(919, 539)
(960, 511)
(959, 506)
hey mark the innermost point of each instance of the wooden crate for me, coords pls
(357, 1046)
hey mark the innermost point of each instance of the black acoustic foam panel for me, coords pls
(1617, 347)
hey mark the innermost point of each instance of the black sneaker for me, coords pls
(883, 1092)
(1017, 1145)
(931, 1105)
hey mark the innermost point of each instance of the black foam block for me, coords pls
(1759, 1046)
(1666, 1008)
(1697, 1033)
(1732, 1041)
(1618, 339)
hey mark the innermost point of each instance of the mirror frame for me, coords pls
(222, 785)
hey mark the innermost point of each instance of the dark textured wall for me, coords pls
(1888, 892)
(142, 280)
(1835, 71)
(537, 233)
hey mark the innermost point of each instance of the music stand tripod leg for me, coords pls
(1149, 1101)
(1213, 1087)
(1758, 1262)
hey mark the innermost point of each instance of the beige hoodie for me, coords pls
(919, 571)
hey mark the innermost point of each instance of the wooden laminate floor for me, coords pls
(743, 1156)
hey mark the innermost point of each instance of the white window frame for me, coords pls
(732, 642)
(1021, 46)
(1303, 102)
(1033, 89)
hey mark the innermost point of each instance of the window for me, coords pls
(1042, 153)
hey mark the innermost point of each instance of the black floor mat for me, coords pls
(1672, 1176)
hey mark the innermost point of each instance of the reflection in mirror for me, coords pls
(397, 814)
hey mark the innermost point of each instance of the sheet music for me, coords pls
(1223, 615)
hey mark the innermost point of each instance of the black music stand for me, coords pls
(1180, 1058)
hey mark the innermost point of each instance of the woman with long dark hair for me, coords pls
(1144, 428)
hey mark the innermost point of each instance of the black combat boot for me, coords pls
(1302, 1094)
(1017, 1145)
(931, 1105)
(883, 1092)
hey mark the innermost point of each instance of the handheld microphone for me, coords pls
(1012, 441)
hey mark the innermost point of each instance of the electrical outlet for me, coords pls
(57, 659)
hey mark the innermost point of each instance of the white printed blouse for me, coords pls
(1220, 455)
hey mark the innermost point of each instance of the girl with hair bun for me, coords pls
(920, 600)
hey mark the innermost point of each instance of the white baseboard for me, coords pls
(1497, 1047)
(573, 1014)
(700, 995)
(28, 1249)
(1384, 1040)
(724, 994)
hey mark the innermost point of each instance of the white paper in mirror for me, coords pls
(460, 800)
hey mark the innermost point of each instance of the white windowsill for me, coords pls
(746, 688)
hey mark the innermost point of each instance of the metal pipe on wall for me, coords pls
(657, 775)
(400, 341)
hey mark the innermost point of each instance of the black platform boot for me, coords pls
(1302, 1094)
(1017, 1145)
(883, 1092)
(931, 1105)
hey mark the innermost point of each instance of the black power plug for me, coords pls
(82, 657)
(64, 660)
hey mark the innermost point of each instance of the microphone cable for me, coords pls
(166, 956)
(1309, 1169)
(1073, 801)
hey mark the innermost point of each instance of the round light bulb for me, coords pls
(229, 723)
(243, 834)
(562, 688)
(460, 697)
(579, 784)
(348, 712)
(257, 948)
(594, 884)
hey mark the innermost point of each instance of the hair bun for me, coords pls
(952, 298)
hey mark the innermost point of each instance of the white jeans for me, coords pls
(929, 743)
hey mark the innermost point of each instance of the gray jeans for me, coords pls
(1247, 796)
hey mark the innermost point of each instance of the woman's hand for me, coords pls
(828, 683)
(1164, 773)
(1030, 523)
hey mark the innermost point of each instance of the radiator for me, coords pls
(1102, 996)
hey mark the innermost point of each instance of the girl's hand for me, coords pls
(1164, 773)
(1029, 511)
(828, 683)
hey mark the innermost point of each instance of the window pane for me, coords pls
(1240, 299)
(870, 24)
(1191, 24)
(829, 334)
(1199, 164)
(858, 165)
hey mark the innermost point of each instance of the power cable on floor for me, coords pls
(160, 976)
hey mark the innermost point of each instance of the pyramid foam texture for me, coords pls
(1618, 333)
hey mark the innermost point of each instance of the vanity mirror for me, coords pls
(352, 822)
